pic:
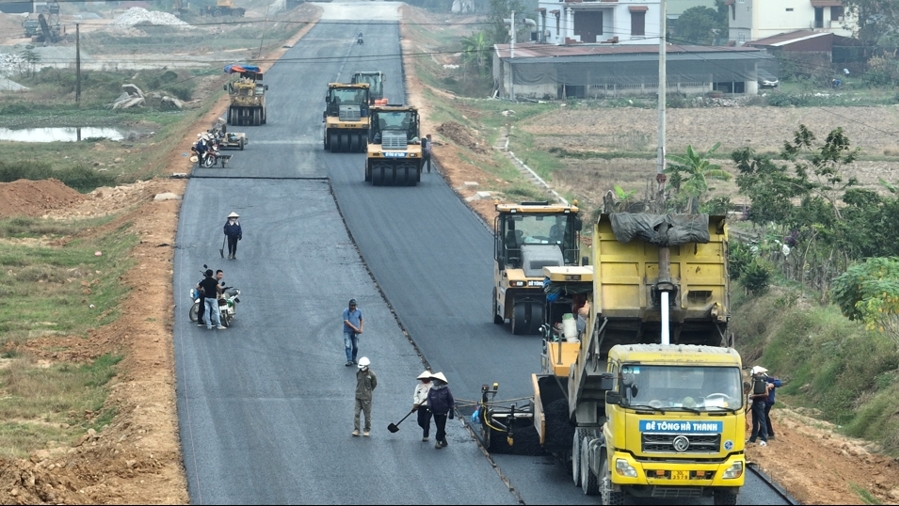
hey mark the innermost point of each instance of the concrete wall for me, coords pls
(616, 20)
(757, 19)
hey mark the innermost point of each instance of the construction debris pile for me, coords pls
(132, 96)
(136, 16)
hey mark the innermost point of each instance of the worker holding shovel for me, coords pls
(420, 403)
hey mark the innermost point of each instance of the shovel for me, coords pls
(395, 427)
(222, 249)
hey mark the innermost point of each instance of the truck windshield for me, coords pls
(348, 96)
(703, 388)
(540, 229)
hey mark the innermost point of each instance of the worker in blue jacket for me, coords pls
(773, 383)
(234, 232)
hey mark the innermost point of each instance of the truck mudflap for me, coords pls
(626, 471)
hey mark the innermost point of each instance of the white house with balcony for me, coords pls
(598, 21)
(757, 19)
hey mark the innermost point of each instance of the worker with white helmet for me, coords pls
(758, 394)
(420, 403)
(366, 382)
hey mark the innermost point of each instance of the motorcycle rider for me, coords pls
(202, 148)
(359, 38)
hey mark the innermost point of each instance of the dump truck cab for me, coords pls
(31, 25)
(394, 146)
(375, 80)
(528, 237)
(247, 94)
(674, 424)
(346, 117)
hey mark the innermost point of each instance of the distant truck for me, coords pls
(223, 8)
(32, 26)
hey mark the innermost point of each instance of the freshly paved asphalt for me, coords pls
(265, 408)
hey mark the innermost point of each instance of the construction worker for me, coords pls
(420, 403)
(441, 403)
(353, 324)
(758, 393)
(366, 382)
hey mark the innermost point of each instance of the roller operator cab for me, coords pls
(674, 425)
(528, 237)
(394, 147)
(247, 94)
(346, 117)
(375, 80)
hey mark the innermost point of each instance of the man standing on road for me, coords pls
(773, 384)
(426, 151)
(352, 327)
(234, 233)
(219, 274)
(210, 289)
(758, 393)
(441, 402)
(366, 382)
(420, 403)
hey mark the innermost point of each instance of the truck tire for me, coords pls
(589, 480)
(725, 498)
(217, 13)
(575, 459)
(242, 143)
(608, 495)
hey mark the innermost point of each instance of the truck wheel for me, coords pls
(589, 482)
(575, 458)
(536, 318)
(608, 495)
(497, 318)
(241, 144)
(723, 497)
(354, 143)
(332, 142)
(217, 13)
(519, 326)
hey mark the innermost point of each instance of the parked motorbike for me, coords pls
(227, 303)
(359, 38)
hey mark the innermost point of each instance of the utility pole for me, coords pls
(664, 285)
(77, 64)
(511, 57)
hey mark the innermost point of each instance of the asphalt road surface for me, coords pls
(265, 408)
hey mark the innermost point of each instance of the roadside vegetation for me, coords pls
(816, 265)
(54, 286)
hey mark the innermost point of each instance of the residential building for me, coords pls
(546, 71)
(599, 21)
(757, 19)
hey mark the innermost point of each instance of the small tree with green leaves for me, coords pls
(869, 292)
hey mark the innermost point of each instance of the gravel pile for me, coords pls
(140, 16)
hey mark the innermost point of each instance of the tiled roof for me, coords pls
(787, 38)
(533, 50)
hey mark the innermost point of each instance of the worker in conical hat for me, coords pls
(234, 234)
(420, 403)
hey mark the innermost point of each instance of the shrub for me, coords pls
(756, 277)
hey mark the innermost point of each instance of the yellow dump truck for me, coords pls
(346, 117)
(642, 395)
(529, 236)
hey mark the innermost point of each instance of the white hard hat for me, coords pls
(439, 376)
(424, 375)
(758, 370)
(364, 362)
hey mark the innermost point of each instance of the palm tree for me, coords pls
(688, 175)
